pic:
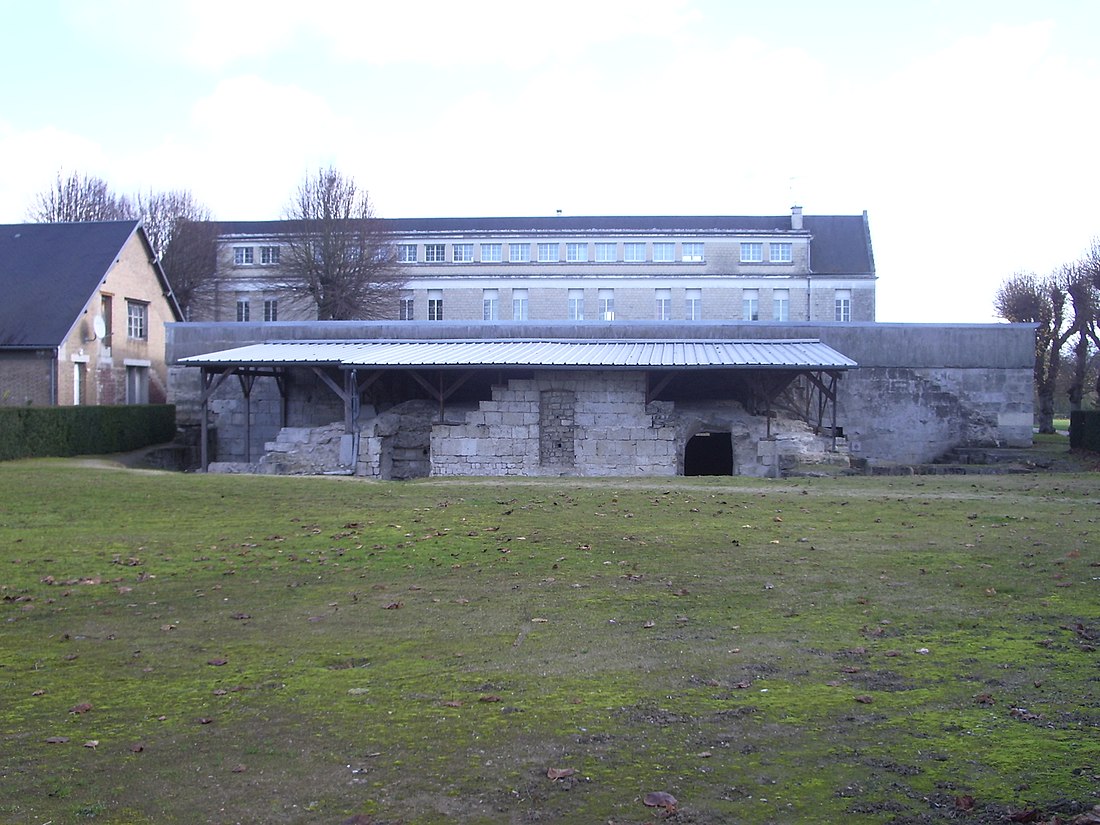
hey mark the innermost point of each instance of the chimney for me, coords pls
(796, 217)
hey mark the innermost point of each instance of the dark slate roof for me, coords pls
(48, 273)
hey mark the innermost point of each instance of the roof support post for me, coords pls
(248, 380)
(211, 381)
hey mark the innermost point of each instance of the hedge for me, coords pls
(28, 432)
(1084, 430)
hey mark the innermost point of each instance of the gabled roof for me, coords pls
(49, 272)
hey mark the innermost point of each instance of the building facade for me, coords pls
(779, 269)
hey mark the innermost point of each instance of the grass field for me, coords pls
(226, 649)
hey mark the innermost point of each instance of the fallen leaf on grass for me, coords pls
(238, 769)
(984, 699)
(137, 747)
(453, 703)
(92, 743)
(555, 774)
(205, 720)
(217, 662)
(393, 606)
(649, 624)
(660, 799)
(56, 740)
(964, 803)
(83, 707)
(491, 697)
(864, 699)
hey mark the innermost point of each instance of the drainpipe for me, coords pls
(55, 361)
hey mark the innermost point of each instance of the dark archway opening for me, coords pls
(709, 454)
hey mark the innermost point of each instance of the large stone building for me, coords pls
(567, 268)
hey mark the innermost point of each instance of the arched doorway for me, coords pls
(709, 454)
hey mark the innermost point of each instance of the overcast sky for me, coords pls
(967, 129)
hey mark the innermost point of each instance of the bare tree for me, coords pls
(80, 198)
(162, 213)
(190, 263)
(338, 253)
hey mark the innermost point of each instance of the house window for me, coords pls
(435, 304)
(406, 253)
(492, 253)
(519, 253)
(137, 320)
(606, 304)
(750, 305)
(664, 252)
(137, 385)
(576, 252)
(692, 252)
(664, 304)
(242, 309)
(781, 305)
(489, 305)
(435, 253)
(576, 305)
(752, 252)
(405, 309)
(842, 305)
(271, 309)
(242, 255)
(269, 255)
(519, 304)
(693, 304)
(779, 253)
(605, 252)
(462, 253)
(634, 252)
(548, 253)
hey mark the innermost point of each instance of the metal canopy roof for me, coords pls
(576, 354)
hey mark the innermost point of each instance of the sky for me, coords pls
(966, 129)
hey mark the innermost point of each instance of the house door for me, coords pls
(709, 454)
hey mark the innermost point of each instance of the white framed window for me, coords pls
(693, 304)
(750, 304)
(664, 252)
(781, 304)
(605, 301)
(243, 308)
(243, 255)
(752, 252)
(269, 255)
(435, 304)
(519, 253)
(435, 253)
(842, 305)
(576, 305)
(406, 307)
(664, 304)
(548, 253)
(406, 253)
(634, 252)
(492, 253)
(691, 252)
(519, 304)
(462, 253)
(779, 252)
(137, 320)
(490, 305)
(576, 252)
(606, 252)
(271, 309)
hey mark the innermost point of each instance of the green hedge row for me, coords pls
(1084, 430)
(27, 432)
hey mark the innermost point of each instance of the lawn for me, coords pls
(230, 649)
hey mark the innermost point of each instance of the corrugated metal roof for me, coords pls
(761, 354)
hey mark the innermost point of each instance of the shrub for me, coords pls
(27, 432)
(1084, 430)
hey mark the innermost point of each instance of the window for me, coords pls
(752, 252)
(105, 309)
(271, 309)
(435, 252)
(634, 252)
(406, 306)
(490, 305)
(519, 304)
(779, 253)
(750, 305)
(519, 253)
(692, 252)
(137, 320)
(492, 253)
(80, 383)
(548, 253)
(842, 305)
(269, 255)
(462, 253)
(781, 304)
(576, 305)
(137, 384)
(576, 252)
(435, 304)
(664, 252)
(693, 304)
(242, 255)
(664, 304)
(605, 252)
(243, 313)
(606, 303)
(406, 253)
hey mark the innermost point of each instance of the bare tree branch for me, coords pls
(80, 198)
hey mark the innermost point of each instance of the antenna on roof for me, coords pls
(559, 213)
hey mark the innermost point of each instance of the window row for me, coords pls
(244, 309)
(551, 252)
(246, 255)
(779, 252)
